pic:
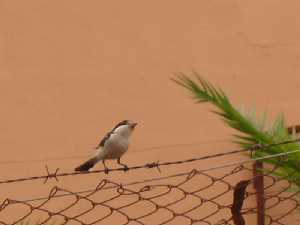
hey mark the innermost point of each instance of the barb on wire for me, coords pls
(51, 175)
(255, 147)
(154, 165)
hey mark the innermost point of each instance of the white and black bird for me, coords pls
(112, 146)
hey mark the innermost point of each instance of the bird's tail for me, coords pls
(87, 165)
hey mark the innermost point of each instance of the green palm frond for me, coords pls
(252, 128)
(205, 92)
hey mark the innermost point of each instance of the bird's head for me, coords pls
(125, 127)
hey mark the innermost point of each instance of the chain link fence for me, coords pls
(219, 196)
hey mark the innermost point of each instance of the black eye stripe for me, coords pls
(124, 122)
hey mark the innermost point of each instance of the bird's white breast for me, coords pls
(115, 146)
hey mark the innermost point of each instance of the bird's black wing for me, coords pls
(102, 142)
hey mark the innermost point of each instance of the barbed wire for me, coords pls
(185, 200)
(158, 165)
(239, 164)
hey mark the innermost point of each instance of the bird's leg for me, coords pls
(125, 167)
(105, 167)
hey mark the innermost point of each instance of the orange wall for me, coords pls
(69, 70)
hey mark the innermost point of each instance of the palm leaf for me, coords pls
(251, 127)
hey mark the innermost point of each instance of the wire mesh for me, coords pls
(197, 197)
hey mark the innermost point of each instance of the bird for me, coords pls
(114, 144)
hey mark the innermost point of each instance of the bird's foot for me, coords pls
(106, 170)
(125, 168)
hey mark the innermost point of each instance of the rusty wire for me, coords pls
(157, 165)
(191, 199)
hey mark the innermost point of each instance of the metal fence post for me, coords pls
(259, 187)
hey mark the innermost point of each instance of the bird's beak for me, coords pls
(133, 125)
